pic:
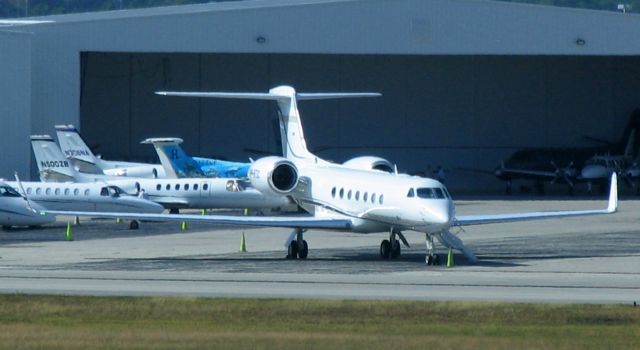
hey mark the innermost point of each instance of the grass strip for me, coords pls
(74, 322)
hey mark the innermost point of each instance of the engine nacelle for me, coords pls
(370, 163)
(143, 171)
(127, 186)
(273, 175)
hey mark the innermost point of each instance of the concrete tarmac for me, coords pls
(576, 260)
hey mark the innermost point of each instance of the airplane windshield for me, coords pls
(430, 193)
(6, 191)
(111, 191)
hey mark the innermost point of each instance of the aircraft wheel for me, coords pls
(433, 260)
(134, 225)
(292, 252)
(304, 250)
(395, 250)
(385, 249)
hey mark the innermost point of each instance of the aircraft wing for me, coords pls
(265, 221)
(501, 218)
(529, 173)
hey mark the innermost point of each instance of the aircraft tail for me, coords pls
(294, 145)
(174, 160)
(629, 141)
(53, 166)
(74, 147)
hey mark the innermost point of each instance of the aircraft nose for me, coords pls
(437, 213)
(593, 172)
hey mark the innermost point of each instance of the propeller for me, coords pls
(565, 173)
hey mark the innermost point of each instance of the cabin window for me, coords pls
(411, 193)
(158, 187)
(57, 191)
(357, 195)
(28, 190)
(381, 199)
(186, 187)
(67, 192)
(349, 194)
(86, 192)
(366, 196)
(195, 187)
(177, 187)
(168, 187)
(333, 192)
(373, 198)
(205, 187)
(341, 193)
(76, 192)
(38, 191)
(47, 191)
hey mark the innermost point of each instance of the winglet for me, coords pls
(613, 194)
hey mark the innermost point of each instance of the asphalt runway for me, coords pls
(577, 260)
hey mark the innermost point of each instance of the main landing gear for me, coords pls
(298, 247)
(391, 248)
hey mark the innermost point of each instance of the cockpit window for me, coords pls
(430, 193)
(411, 193)
(6, 191)
(111, 191)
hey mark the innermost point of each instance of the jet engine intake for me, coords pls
(370, 163)
(273, 175)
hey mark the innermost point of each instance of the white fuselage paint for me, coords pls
(208, 193)
(71, 196)
(16, 211)
(373, 201)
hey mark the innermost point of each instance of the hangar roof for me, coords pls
(349, 27)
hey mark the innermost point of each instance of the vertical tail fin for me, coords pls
(52, 164)
(294, 146)
(74, 147)
(174, 160)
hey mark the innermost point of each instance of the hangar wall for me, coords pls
(15, 104)
(457, 111)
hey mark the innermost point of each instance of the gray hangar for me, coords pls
(465, 82)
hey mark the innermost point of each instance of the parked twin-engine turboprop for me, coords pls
(340, 197)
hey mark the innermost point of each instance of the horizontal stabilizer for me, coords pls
(269, 95)
(153, 140)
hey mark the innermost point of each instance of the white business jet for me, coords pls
(16, 210)
(173, 194)
(74, 148)
(341, 198)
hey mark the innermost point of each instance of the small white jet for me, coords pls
(74, 148)
(173, 194)
(16, 210)
(342, 198)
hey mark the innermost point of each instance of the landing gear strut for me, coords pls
(431, 259)
(298, 247)
(391, 248)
